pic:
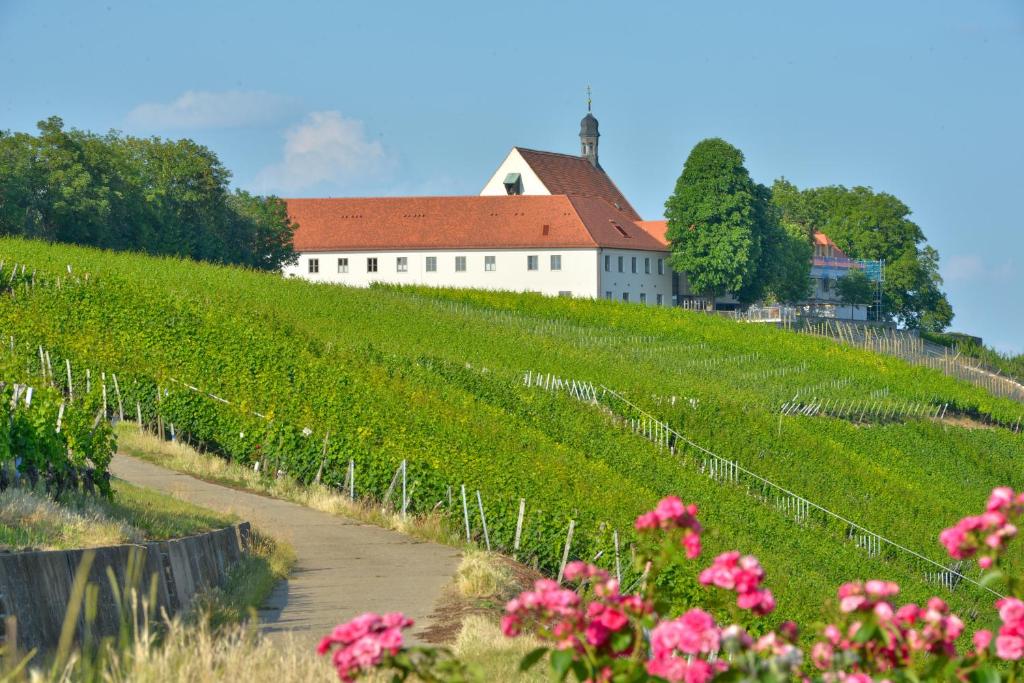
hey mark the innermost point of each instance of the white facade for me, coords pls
(514, 163)
(566, 272)
(558, 272)
(635, 276)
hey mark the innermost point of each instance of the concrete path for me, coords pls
(344, 567)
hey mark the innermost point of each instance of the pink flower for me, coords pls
(742, 574)
(821, 655)
(671, 514)
(692, 633)
(1000, 498)
(986, 534)
(691, 544)
(613, 619)
(1011, 611)
(1009, 647)
(982, 638)
(360, 644)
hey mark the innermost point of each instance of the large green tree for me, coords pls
(728, 236)
(875, 225)
(713, 222)
(147, 194)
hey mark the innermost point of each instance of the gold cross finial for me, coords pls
(588, 99)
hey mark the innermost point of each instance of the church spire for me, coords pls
(589, 135)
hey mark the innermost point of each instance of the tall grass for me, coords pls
(31, 519)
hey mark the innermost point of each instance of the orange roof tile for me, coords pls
(823, 240)
(506, 222)
(575, 176)
(656, 229)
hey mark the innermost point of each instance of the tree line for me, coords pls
(166, 197)
(732, 235)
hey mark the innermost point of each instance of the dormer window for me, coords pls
(513, 184)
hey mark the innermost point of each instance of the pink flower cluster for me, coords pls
(900, 632)
(1010, 641)
(672, 514)
(674, 644)
(985, 534)
(743, 575)
(361, 644)
(560, 617)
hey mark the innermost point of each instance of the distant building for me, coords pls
(544, 222)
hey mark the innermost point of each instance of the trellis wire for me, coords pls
(728, 471)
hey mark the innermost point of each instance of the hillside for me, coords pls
(437, 378)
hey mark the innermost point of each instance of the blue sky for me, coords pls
(923, 99)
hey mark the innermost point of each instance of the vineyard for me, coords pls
(346, 385)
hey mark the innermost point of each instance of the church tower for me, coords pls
(589, 136)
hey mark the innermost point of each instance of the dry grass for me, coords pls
(481, 576)
(201, 654)
(481, 643)
(183, 458)
(29, 519)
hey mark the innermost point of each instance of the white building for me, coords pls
(544, 222)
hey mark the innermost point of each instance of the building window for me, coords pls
(647, 265)
(620, 264)
(402, 264)
(371, 265)
(643, 297)
(431, 264)
(532, 263)
(625, 296)
(314, 265)
(825, 284)
(607, 263)
(556, 262)
(566, 294)
(490, 263)
(460, 264)
(343, 265)
(661, 266)
(608, 295)
(634, 264)
(659, 299)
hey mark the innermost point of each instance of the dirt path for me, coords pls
(344, 567)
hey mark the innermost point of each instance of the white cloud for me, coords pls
(205, 109)
(963, 267)
(326, 148)
(974, 268)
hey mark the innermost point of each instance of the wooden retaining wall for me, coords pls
(35, 587)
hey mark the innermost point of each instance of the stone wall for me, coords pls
(35, 587)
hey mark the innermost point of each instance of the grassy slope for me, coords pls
(386, 373)
(31, 520)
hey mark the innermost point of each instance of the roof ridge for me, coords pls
(419, 197)
(554, 154)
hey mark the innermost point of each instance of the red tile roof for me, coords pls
(823, 240)
(656, 229)
(489, 222)
(575, 176)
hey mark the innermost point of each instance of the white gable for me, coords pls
(514, 163)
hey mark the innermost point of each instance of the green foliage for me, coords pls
(727, 234)
(855, 288)
(875, 225)
(146, 194)
(434, 377)
(712, 221)
(31, 442)
(1010, 365)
